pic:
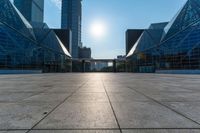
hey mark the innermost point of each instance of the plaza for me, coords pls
(99, 103)
(46, 87)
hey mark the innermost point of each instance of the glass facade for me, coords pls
(169, 46)
(23, 47)
(71, 19)
(32, 10)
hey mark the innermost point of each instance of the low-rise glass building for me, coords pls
(25, 48)
(169, 46)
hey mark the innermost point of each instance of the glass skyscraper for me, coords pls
(32, 10)
(71, 19)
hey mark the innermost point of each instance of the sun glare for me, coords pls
(98, 29)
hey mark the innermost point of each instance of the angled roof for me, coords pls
(20, 36)
(149, 38)
(187, 15)
(47, 38)
(14, 19)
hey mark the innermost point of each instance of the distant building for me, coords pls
(121, 57)
(32, 10)
(85, 53)
(65, 36)
(132, 36)
(71, 19)
(99, 66)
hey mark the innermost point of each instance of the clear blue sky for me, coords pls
(119, 15)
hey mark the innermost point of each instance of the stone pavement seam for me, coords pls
(103, 129)
(35, 94)
(160, 103)
(57, 106)
(111, 106)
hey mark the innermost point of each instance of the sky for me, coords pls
(116, 16)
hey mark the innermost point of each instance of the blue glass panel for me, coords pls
(189, 14)
(10, 15)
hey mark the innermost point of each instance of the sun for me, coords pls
(98, 29)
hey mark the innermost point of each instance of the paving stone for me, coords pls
(149, 115)
(114, 89)
(21, 131)
(176, 97)
(189, 109)
(127, 97)
(66, 89)
(22, 115)
(14, 97)
(162, 131)
(47, 97)
(91, 89)
(75, 131)
(25, 98)
(88, 97)
(80, 115)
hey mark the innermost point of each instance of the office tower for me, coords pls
(71, 19)
(132, 36)
(85, 53)
(32, 10)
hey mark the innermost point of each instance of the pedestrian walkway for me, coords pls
(99, 103)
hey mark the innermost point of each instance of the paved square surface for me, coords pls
(99, 103)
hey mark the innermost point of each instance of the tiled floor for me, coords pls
(99, 103)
